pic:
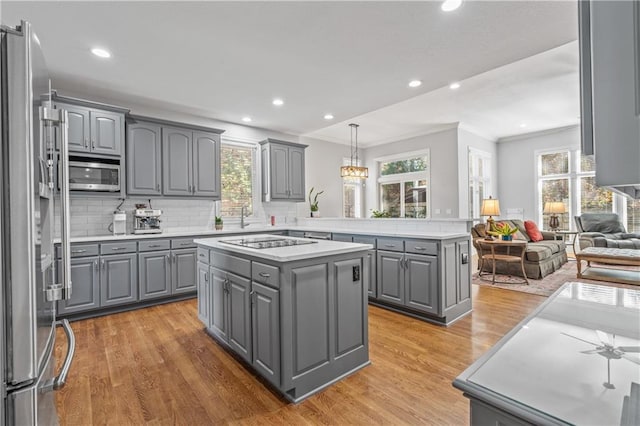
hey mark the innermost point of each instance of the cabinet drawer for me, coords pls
(153, 245)
(365, 240)
(203, 255)
(390, 244)
(421, 247)
(230, 263)
(342, 237)
(116, 248)
(182, 243)
(266, 274)
(79, 250)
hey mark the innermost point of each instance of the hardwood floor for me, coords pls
(158, 366)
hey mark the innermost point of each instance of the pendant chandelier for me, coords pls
(353, 170)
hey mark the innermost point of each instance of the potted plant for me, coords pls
(378, 214)
(313, 205)
(503, 230)
(218, 223)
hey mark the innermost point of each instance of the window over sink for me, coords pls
(403, 185)
(238, 177)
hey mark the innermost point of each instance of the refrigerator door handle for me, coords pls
(64, 205)
(60, 381)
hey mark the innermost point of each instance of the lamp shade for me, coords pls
(354, 172)
(555, 207)
(490, 207)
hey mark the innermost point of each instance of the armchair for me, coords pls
(604, 230)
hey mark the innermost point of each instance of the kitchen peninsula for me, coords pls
(294, 309)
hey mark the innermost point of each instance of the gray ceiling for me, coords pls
(226, 60)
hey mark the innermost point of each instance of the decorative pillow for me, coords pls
(520, 236)
(533, 231)
(522, 231)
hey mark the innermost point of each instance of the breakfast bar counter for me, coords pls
(293, 309)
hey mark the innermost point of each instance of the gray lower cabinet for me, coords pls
(144, 159)
(265, 324)
(154, 274)
(204, 292)
(372, 289)
(166, 272)
(118, 279)
(86, 285)
(390, 277)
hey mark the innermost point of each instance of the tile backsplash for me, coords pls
(92, 216)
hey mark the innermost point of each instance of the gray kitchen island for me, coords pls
(293, 309)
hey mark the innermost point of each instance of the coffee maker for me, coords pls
(147, 221)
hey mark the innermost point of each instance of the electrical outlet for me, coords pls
(356, 273)
(465, 258)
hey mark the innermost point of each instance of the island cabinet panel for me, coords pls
(183, 271)
(310, 341)
(154, 274)
(349, 292)
(118, 279)
(218, 316)
(204, 293)
(421, 282)
(265, 321)
(239, 316)
(390, 277)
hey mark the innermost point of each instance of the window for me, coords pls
(479, 180)
(569, 177)
(237, 176)
(403, 185)
(351, 194)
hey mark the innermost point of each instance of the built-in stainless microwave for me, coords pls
(94, 176)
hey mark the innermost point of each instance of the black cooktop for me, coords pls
(268, 242)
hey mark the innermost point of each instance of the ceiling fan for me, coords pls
(608, 349)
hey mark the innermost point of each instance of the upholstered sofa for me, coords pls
(541, 257)
(604, 230)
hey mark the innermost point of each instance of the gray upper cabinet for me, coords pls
(93, 130)
(206, 164)
(191, 163)
(283, 169)
(118, 279)
(177, 149)
(610, 83)
(144, 159)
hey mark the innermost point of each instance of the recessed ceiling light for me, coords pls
(101, 53)
(246, 119)
(454, 86)
(328, 116)
(450, 5)
(415, 83)
(278, 102)
(523, 125)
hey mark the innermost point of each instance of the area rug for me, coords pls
(549, 284)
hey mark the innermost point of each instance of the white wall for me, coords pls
(517, 166)
(443, 148)
(467, 138)
(322, 172)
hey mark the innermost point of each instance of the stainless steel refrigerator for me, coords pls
(30, 283)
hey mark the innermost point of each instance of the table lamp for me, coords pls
(554, 208)
(490, 207)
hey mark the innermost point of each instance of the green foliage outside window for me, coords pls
(237, 177)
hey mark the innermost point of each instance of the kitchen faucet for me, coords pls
(242, 216)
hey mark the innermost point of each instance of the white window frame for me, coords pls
(475, 179)
(256, 198)
(405, 177)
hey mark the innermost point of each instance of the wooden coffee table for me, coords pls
(488, 254)
(609, 256)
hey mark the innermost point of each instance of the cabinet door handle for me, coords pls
(390, 245)
(206, 277)
(264, 274)
(155, 245)
(420, 248)
(157, 187)
(95, 265)
(184, 244)
(78, 251)
(118, 248)
(173, 256)
(93, 144)
(201, 255)
(86, 143)
(102, 263)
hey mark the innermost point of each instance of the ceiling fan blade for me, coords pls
(630, 358)
(629, 349)
(604, 338)
(590, 351)
(582, 340)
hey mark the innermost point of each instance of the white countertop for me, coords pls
(285, 254)
(431, 235)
